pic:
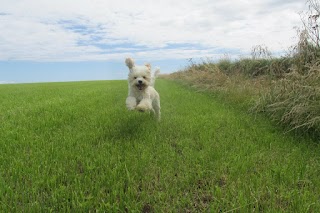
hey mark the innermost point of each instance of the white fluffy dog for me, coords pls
(142, 95)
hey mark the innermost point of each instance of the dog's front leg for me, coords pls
(144, 105)
(131, 103)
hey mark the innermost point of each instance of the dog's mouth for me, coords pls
(140, 86)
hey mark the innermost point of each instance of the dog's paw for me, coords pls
(141, 108)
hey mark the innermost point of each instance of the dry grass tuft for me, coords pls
(224, 77)
(294, 100)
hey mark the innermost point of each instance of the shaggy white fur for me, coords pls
(142, 95)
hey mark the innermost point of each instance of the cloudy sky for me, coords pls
(71, 40)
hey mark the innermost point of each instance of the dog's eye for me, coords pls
(135, 77)
(144, 77)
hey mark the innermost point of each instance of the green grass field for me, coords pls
(73, 147)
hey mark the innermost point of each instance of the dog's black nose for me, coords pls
(140, 82)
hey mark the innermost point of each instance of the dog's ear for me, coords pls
(148, 66)
(129, 63)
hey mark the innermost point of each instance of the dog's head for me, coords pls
(139, 76)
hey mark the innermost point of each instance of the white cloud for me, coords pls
(45, 30)
(7, 82)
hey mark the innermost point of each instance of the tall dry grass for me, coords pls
(225, 77)
(294, 99)
(287, 89)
